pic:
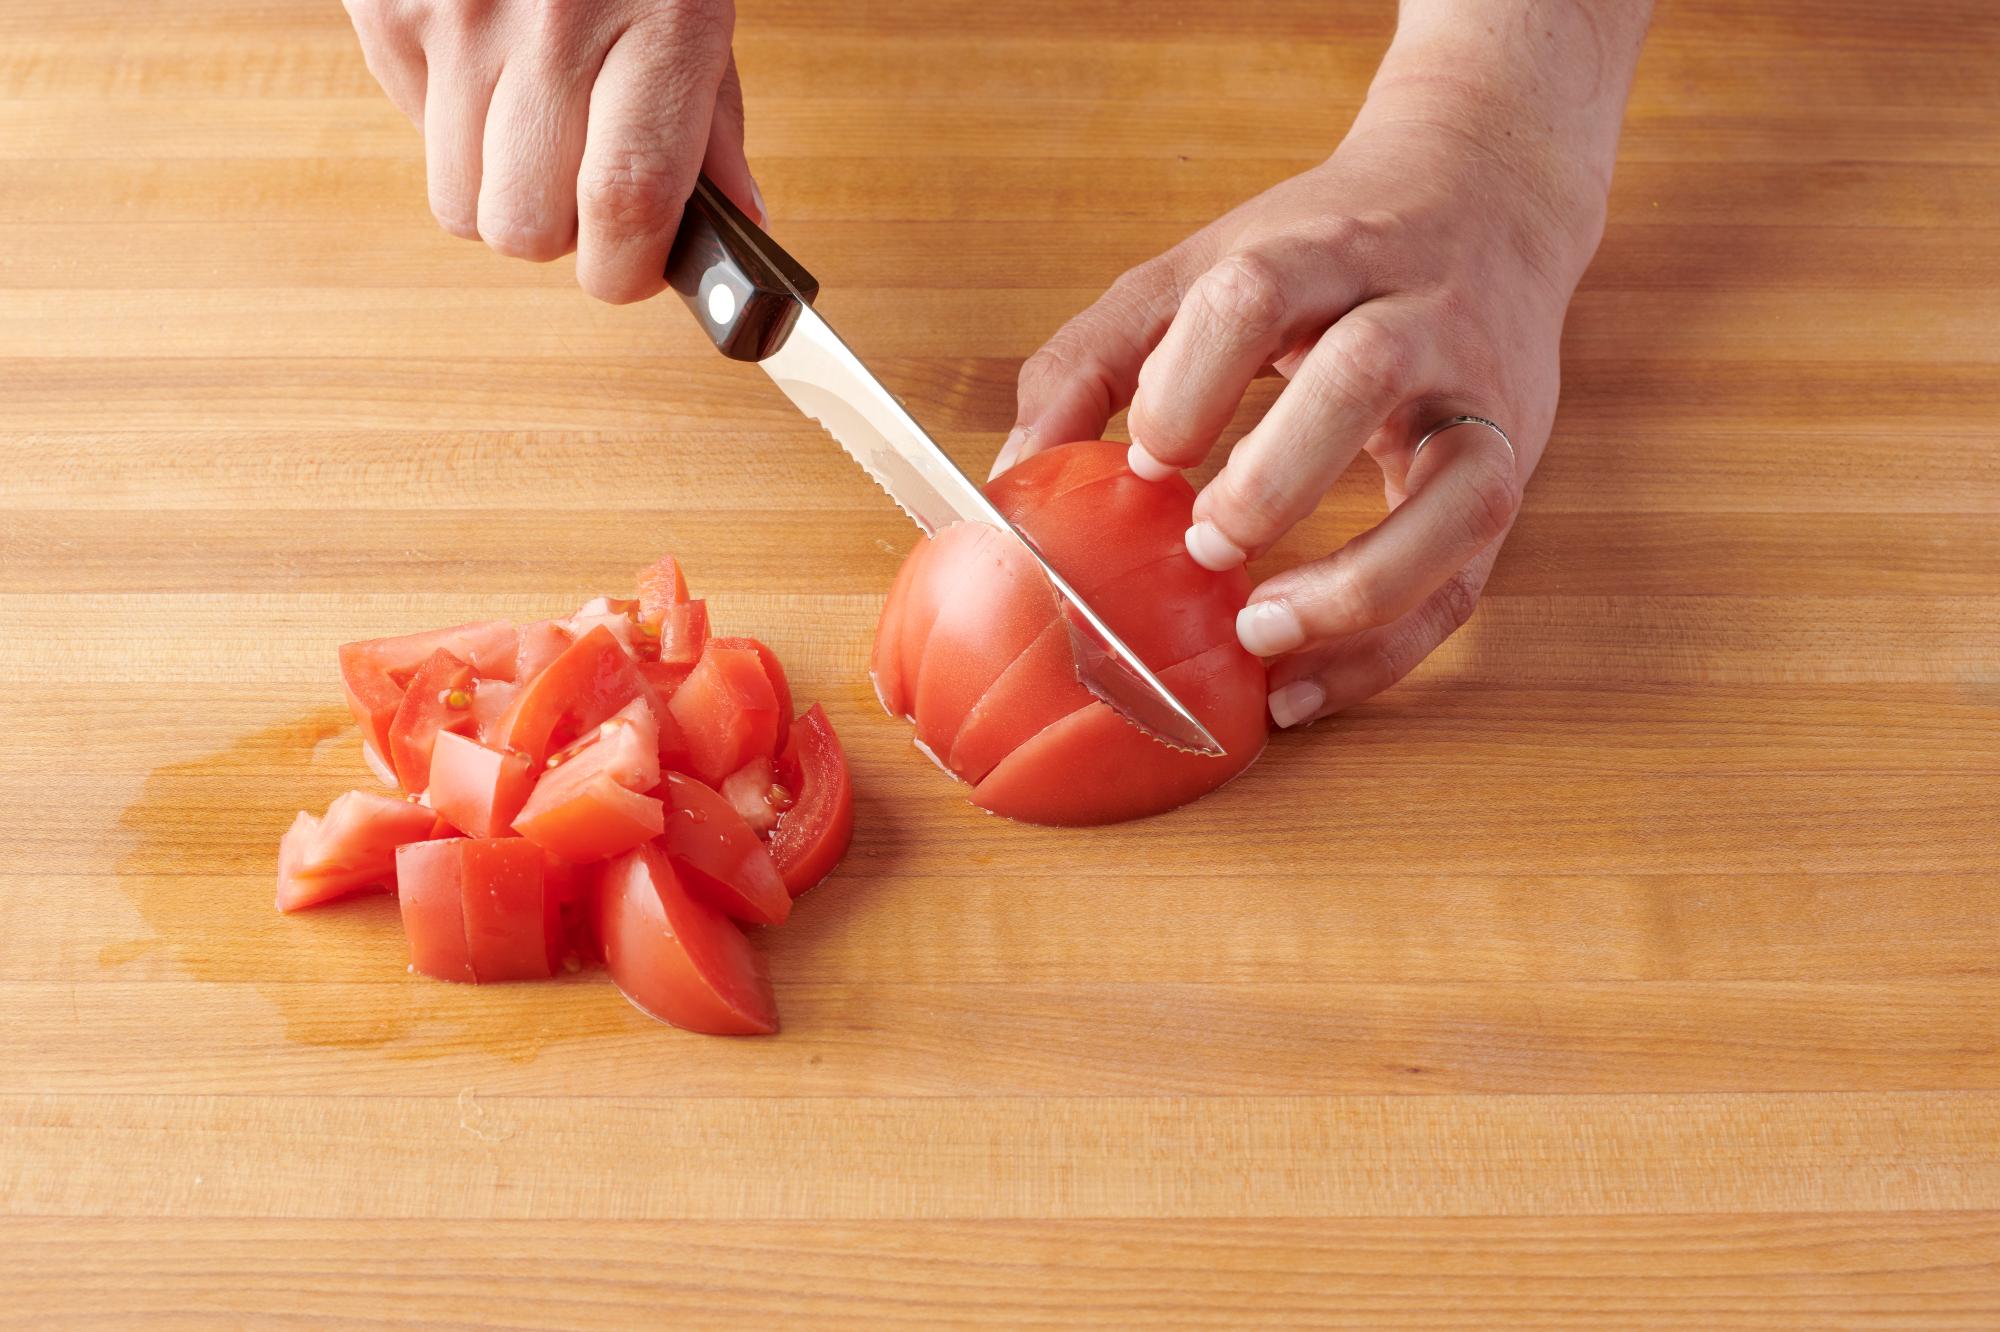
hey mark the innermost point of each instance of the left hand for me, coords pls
(1416, 275)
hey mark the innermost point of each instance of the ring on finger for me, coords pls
(1453, 422)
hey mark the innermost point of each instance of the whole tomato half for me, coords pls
(971, 650)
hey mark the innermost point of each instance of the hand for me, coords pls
(1418, 274)
(559, 125)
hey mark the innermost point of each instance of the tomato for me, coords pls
(541, 643)
(727, 711)
(753, 792)
(510, 929)
(722, 859)
(476, 789)
(591, 680)
(490, 701)
(375, 673)
(971, 648)
(774, 671)
(678, 958)
(590, 807)
(439, 698)
(353, 848)
(813, 835)
(683, 634)
(661, 585)
(619, 617)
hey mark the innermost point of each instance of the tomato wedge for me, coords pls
(814, 833)
(676, 957)
(722, 859)
(353, 848)
(591, 680)
(541, 643)
(753, 792)
(589, 806)
(478, 790)
(433, 906)
(727, 711)
(661, 585)
(774, 671)
(508, 924)
(683, 634)
(439, 699)
(374, 673)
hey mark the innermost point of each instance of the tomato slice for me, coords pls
(1069, 530)
(1056, 473)
(774, 670)
(620, 618)
(676, 957)
(478, 790)
(661, 585)
(541, 643)
(722, 859)
(1173, 609)
(591, 820)
(684, 633)
(353, 848)
(433, 906)
(813, 835)
(727, 712)
(374, 673)
(975, 638)
(591, 680)
(885, 659)
(507, 922)
(490, 701)
(439, 699)
(753, 792)
(1036, 691)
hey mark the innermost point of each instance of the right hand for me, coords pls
(559, 125)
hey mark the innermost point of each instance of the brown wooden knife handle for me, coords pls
(743, 288)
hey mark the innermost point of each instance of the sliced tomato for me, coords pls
(722, 859)
(374, 673)
(975, 638)
(813, 835)
(727, 711)
(1037, 690)
(684, 632)
(508, 931)
(1173, 609)
(1071, 530)
(594, 820)
(754, 793)
(885, 658)
(490, 701)
(439, 698)
(590, 681)
(774, 671)
(541, 643)
(478, 790)
(676, 957)
(661, 585)
(433, 908)
(352, 849)
(1048, 476)
(619, 617)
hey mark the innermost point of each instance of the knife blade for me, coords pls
(756, 304)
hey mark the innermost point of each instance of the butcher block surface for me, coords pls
(1634, 965)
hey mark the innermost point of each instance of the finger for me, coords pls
(1319, 683)
(1360, 372)
(724, 162)
(649, 120)
(530, 155)
(394, 57)
(455, 103)
(1465, 495)
(1086, 372)
(1237, 318)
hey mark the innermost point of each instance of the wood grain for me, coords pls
(1632, 966)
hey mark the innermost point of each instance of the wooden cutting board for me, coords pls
(1632, 966)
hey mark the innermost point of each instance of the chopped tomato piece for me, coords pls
(621, 618)
(476, 789)
(351, 849)
(774, 670)
(722, 859)
(676, 957)
(814, 833)
(591, 680)
(592, 821)
(753, 792)
(683, 633)
(501, 888)
(727, 710)
(541, 643)
(433, 907)
(490, 701)
(660, 586)
(439, 699)
(375, 673)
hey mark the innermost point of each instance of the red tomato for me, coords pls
(591, 680)
(813, 834)
(439, 699)
(375, 673)
(490, 701)
(722, 859)
(683, 634)
(478, 790)
(753, 792)
(590, 813)
(351, 849)
(434, 909)
(661, 585)
(509, 926)
(774, 670)
(727, 712)
(971, 648)
(541, 643)
(678, 958)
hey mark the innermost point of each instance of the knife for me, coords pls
(755, 302)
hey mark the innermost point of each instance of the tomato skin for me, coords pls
(426, 710)
(433, 906)
(507, 921)
(351, 850)
(683, 634)
(987, 632)
(478, 790)
(885, 659)
(661, 585)
(597, 820)
(677, 958)
(727, 712)
(541, 643)
(813, 835)
(719, 856)
(374, 673)
(774, 671)
(591, 680)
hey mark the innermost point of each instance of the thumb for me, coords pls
(724, 162)
(1088, 371)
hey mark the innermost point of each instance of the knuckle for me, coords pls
(1496, 493)
(630, 192)
(1252, 504)
(521, 239)
(1373, 367)
(1358, 598)
(1244, 289)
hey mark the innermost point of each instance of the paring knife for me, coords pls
(755, 302)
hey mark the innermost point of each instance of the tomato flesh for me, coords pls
(591, 680)
(720, 857)
(352, 849)
(752, 791)
(439, 699)
(676, 957)
(541, 643)
(592, 820)
(813, 835)
(727, 712)
(478, 790)
(374, 673)
(661, 585)
(774, 671)
(978, 636)
(433, 906)
(684, 633)
(507, 922)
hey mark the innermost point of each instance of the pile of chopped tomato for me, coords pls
(617, 785)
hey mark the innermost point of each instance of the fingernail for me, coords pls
(1211, 549)
(1017, 439)
(1267, 628)
(763, 213)
(1299, 701)
(1145, 466)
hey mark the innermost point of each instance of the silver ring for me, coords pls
(1445, 425)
